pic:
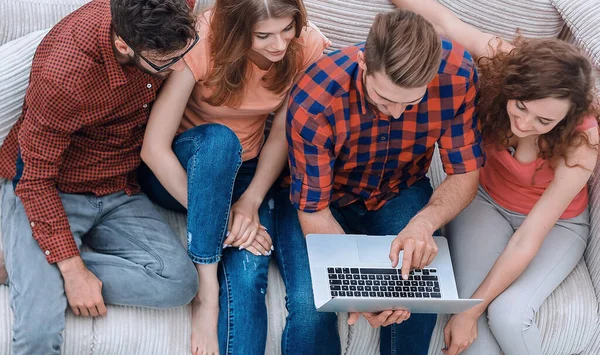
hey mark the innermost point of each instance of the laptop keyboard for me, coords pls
(386, 283)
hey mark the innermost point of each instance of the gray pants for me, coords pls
(477, 237)
(138, 258)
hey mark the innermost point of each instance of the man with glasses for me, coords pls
(71, 160)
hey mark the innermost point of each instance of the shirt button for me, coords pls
(47, 252)
(149, 86)
(145, 106)
(32, 224)
(382, 138)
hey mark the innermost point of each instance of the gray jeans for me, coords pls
(477, 237)
(135, 254)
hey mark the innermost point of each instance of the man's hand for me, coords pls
(460, 332)
(382, 319)
(83, 289)
(419, 247)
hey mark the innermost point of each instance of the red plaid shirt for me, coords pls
(342, 149)
(82, 125)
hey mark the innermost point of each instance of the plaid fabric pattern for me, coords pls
(82, 125)
(342, 149)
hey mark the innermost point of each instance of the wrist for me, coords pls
(423, 223)
(252, 197)
(477, 311)
(70, 265)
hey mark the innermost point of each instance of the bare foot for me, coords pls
(3, 273)
(204, 327)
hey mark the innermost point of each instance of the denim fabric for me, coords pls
(135, 254)
(211, 155)
(409, 338)
(306, 330)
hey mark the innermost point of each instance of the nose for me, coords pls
(397, 110)
(178, 66)
(279, 43)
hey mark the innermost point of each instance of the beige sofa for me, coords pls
(568, 319)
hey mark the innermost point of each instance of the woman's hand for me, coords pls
(244, 224)
(460, 332)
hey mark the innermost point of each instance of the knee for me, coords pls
(180, 285)
(507, 320)
(301, 310)
(215, 138)
(246, 282)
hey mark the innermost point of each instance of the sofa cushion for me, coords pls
(15, 64)
(534, 18)
(21, 17)
(583, 18)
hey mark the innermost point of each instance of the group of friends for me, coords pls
(234, 115)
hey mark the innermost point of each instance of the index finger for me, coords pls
(409, 248)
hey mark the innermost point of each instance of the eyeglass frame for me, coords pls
(159, 68)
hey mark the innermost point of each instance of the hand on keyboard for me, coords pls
(382, 319)
(416, 239)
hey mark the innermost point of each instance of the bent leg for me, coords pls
(477, 236)
(512, 314)
(137, 256)
(37, 295)
(413, 335)
(306, 330)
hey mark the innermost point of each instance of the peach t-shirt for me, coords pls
(518, 186)
(247, 120)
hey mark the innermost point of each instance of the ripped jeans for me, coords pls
(217, 177)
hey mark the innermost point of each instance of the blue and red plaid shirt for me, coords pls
(342, 149)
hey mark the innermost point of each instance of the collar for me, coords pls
(116, 76)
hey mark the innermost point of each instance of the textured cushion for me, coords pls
(583, 19)
(535, 18)
(20, 17)
(15, 63)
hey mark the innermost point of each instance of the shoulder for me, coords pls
(328, 79)
(312, 42)
(198, 59)
(456, 61)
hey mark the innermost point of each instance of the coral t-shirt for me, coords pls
(248, 119)
(518, 186)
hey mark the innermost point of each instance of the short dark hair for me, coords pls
(162, 26)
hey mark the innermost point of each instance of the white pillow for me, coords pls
(20, 17)
(583, 19)
(15, 64)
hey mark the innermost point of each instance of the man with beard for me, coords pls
(71, 160)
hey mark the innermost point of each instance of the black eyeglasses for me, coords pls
(172, 61)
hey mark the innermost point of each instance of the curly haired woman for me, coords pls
(529, 224)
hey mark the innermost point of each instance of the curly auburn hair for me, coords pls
(533, 70)
(231, 38)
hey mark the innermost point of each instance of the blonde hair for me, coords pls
(404, 46)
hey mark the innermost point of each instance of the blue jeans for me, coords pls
(135, 254)
(409, 338)
(211, 155)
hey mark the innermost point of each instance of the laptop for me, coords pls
(353, 273)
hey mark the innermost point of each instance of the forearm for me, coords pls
(321, 222)
(448, 200)
(169, 171)
(510, 265)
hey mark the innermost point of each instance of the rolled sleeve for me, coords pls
(310, 143)
(460, 144)
(51, 119)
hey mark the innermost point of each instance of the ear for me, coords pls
(122, 47)
(361, 61)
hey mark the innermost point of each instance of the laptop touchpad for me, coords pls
(374, 250)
